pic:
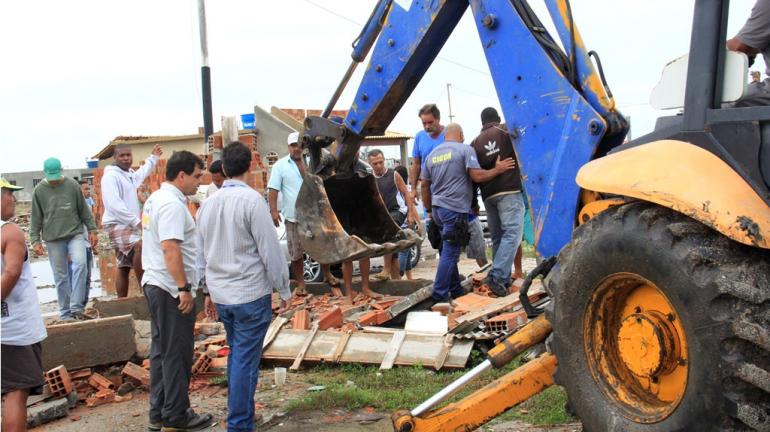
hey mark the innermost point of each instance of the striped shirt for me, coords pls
(238, 249)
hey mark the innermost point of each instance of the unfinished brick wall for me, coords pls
(299, 114)
(256, 177)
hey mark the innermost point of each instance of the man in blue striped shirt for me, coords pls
(242, 262)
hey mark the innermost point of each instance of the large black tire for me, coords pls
(719, 288)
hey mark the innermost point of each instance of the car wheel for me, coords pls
(416, 254)
(311, 269)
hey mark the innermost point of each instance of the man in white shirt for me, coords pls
(122, 209)
(168, 259)
(217, 178)
(286, 179)
(240, 257)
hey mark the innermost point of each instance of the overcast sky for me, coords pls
(78, 73)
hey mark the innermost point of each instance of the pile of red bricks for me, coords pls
(93, 388)
(330, 311)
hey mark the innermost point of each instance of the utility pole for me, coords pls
(208, 117)
(449, 99)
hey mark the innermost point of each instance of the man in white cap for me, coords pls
(286, 178)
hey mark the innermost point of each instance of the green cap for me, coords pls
(52, 169)
(5, 184)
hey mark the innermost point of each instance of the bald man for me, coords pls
(447, 189)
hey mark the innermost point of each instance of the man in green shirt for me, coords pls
(59, 212)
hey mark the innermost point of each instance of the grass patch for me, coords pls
(218, 380)
(357, 386)
(546, 408)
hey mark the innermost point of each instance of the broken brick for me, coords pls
(301, 320)
(116, 380)
(218, 363)
(330, 319)
(80, 374)
(471, 302)
(98, 381)
(125, 398)
(213, 350)
(385, 304)
(146, 363)
(137, 373)
(442, 308)
(202, 364)
(59, 381)
(101, 397)
(374, 318)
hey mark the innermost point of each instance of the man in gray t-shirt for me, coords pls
(753, 39)
(446, 191)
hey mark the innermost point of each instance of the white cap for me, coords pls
(293, 138)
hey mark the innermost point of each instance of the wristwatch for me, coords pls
(186, 288)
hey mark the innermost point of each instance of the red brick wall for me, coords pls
(256, 177)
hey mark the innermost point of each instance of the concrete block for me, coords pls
(134, 306)
(73, 398)
(142, 338)
(89, 343)
(47, 411)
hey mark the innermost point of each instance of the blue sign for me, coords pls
(248, 121)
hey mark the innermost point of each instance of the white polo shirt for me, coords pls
(165, 217)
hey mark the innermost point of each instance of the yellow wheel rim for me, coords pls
(636, 347)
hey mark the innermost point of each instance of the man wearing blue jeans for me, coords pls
(241, 260)
(447, 192)
(502, 200)
(59, 212)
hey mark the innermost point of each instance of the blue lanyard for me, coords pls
(234, 185)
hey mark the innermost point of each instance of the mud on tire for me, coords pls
(719, 288)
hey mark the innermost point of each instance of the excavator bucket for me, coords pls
(342, 219)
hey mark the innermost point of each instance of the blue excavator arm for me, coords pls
(559, 112)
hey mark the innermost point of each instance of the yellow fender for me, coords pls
(688, 179)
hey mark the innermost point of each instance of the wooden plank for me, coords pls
(395, 346)
(367, 348)
(341, 346)
(305, 346)
(273, 330)
(95, 342)
(448, 341)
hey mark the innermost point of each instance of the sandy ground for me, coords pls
(131, 416)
